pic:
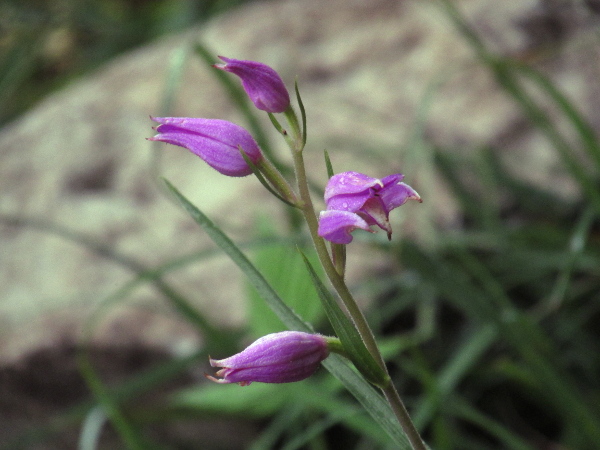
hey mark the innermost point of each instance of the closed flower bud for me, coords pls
(275, 358)
(217, 142)
(263, 85)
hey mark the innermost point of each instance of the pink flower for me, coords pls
(263, 85)
(355, 200)
(275, 358)
(217, 142)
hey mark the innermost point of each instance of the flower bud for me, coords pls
(275, 358)
(217, 142)
(263, 85)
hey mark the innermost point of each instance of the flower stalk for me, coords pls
(270, 172)
(335, 274)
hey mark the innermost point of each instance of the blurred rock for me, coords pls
(368, 71)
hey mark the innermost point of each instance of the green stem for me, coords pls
(354, 311)
(391, 395)
(271, 173)
(337, 280)
(338, 252)
(336, 276)
(334, 345)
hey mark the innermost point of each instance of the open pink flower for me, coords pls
(355, 200)
(217, 142)
(275, 358)
(263, 85)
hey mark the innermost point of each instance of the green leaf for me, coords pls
(256, 401)
(464, 410)
(285, 271)
(261, 178)
(373, 403)
(328, 164)
(569, 111)
(302, 113)
(256, 279)
(472, 348)
(276, 124)
(346, 331)
(91, 429)
(489, 304)
(260, 400)
(131, 434)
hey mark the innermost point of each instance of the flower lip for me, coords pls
(337, 226)
(263, 84)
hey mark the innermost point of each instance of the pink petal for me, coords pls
(336, 226)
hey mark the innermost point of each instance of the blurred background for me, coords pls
(486, 301)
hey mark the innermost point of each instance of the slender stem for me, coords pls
(335, 345)
(337, 280)
(334, 277)
(308, 210)
(391, 395)
(338, 252)
(351, 306)
(277, 180)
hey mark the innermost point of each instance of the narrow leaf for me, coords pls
(276, 124)
(302, 113)
(262, 179)
(347, 332)
(328, 164)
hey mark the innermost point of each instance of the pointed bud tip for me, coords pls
(216, 380)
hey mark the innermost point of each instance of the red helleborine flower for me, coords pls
(355, 200)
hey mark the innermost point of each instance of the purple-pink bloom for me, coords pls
(355, 200)
(275, 358)
(217, 142)
(336, 226)
(263, 85)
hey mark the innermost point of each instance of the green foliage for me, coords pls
(285, 271)
(347, 333)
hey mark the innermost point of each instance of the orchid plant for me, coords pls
(354, 201)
